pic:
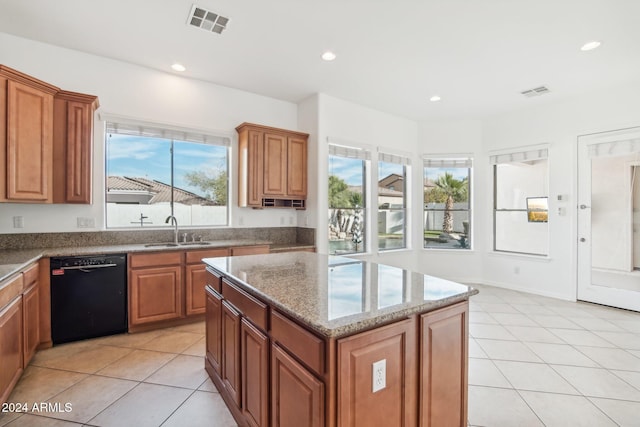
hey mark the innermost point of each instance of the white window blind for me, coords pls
(449, 162)
(529, 155)
(349, 152)
(615, 148)
(394, 158)
(169, 132)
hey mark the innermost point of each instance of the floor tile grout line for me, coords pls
(179, 406)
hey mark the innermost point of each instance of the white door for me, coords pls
(609, 218)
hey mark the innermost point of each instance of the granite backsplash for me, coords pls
(275, 235)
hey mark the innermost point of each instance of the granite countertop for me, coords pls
(14, 260)
(338, 296)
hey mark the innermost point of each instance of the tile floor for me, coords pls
(533, 361)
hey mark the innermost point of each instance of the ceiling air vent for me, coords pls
(535, 91)
(207, 20)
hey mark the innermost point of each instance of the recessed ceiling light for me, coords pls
(178, 67)
(328, 56)
(590, 46)
(435, 98)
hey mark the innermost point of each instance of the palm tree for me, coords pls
(454, 189)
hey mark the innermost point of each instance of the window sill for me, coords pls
(538, 258)
(450, 250)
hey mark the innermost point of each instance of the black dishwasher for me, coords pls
(88, 297)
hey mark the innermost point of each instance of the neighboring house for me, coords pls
(143, 191)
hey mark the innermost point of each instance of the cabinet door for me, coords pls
(297, 397)
(155, 294)
(10, 347)
(31, 319)
(214, 331)
(365, 392)
(275, 165)
(72, 141)
(297, 167)
(231, 351)
(29, 143)
(255, 375)
(443, 367)
(195, 282)
(250, 167)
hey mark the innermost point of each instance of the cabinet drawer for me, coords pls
(302, 343)
(214, 280)
(255, 310)
(155, 259)
(31, 275)
(250, 250)
(195, 257)
(10, 288)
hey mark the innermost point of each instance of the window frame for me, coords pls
(460, 161)
(522, 154)
(172, 133)
(403, 160)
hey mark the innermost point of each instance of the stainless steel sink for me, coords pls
(160, 245)
(172, 245)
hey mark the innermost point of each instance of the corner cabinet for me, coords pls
(46, 137)
(26, 138)
(272, 167)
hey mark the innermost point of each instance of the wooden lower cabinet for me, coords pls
(443, 366)
(231, 352)
(255, 375)
(359, 404)
(195, 281)
(250, 250)
(155, 294)
(31, 322)
(11, 347)
(213, 321)
(297, 396)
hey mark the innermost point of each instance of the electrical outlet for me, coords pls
(18, 222)
(241, 220)
(281, 220)
(379, 375)
(85, 222)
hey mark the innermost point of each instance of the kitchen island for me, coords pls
(304, 339)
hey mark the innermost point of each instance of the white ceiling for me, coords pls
(478, 55)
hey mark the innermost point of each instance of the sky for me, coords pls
(135, 156)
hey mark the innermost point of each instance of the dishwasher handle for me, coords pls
(88, 267)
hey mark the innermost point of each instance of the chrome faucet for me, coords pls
(174, 221)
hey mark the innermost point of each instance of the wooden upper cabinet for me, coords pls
(297, 167)
(272, 168)
(26, 135)
(72, 142)
(45, 141)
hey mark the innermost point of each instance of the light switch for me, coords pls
(18, 222)
(379, 375)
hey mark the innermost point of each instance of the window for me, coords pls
(520, 202)
(152, 173)
(447, 206)
(392, 203)
(347, 199)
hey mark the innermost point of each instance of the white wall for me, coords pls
(140, 93)
(559, 124)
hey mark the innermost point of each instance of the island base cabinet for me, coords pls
(10, 347)
(366, 397)
(255, 375)
(213, 328)
(297, 397)
(443, 364)
(231, 352)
